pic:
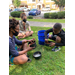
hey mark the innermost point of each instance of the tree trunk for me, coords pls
(61, 8)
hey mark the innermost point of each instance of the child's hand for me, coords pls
(24, 41)
(34, 39)
(46, 40)
(52, 44)
(30, 48)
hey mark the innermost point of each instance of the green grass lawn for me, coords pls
(44, 20)
(51, 63)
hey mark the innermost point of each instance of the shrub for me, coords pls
(61, 14)
(16, 13)
(30, 17)
(53, 15)
(46, 15)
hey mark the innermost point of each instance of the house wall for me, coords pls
(32, 5)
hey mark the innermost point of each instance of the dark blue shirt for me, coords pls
(12, 42)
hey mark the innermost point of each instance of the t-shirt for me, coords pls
(61, 35)
(24, 29)
(12, 42)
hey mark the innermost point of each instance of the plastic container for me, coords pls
(41, 37)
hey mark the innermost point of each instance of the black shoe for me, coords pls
(29, 60)
(28, 56)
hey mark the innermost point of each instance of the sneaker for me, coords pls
(56, 49)
(29, 60)
(28, 56)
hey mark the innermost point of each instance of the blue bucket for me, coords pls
(41, 37)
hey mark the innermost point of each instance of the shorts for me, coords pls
(11, 58)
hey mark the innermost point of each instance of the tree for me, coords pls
(60, 3)
(17, 3)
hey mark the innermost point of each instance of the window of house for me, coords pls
(47, 5)
(29, 6)
(33, 6)
(53, 6)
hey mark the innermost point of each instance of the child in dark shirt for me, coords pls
(58, 35)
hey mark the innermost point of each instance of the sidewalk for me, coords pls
(44, 24)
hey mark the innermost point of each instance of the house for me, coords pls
(38, 4)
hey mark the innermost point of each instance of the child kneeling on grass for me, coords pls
(58, 35)
(15, 56)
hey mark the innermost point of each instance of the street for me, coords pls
(42, 14)
(39, 16)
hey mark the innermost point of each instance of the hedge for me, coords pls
(46, 15)
(61, 15)
(16, 13)
(30, 17)
(53, 15)
(58, 15)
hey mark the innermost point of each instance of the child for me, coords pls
(24, 25)
(15, 56)
(58, 35)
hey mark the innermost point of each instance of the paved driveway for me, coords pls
(44, 24)
(42, 13)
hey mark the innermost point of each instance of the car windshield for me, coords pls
(33, 10)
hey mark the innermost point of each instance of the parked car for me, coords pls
(10, 10)
(21, 9)
(16, 9)
(46, 9)
(34, 12)
(26, 9)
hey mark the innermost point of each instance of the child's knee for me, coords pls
(20, 34)
(32, 32)
(21, 60)
(58, 39)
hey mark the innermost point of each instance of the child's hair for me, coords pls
(22, 14)
(57, 26)
(13, 23)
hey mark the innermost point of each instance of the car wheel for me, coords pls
(40, 13)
